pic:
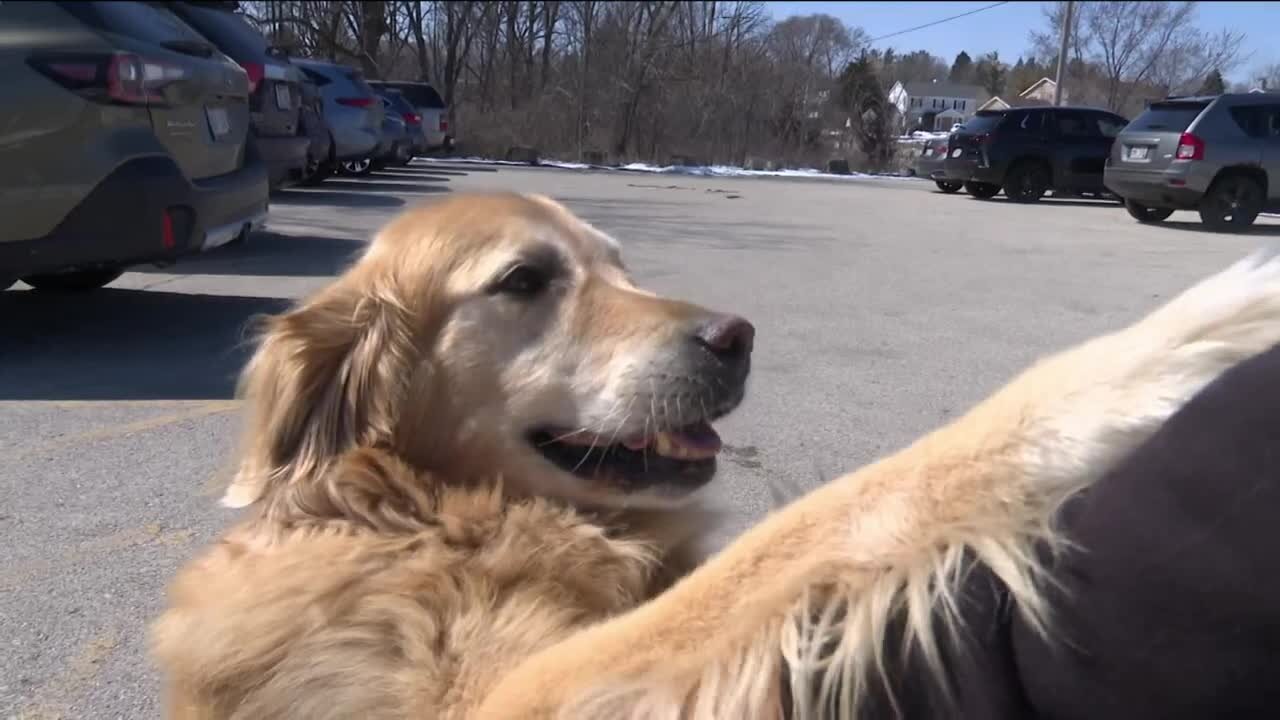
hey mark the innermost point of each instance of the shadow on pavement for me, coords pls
(405, 175)
(375, 186)
(460, 168)
(1052, 202)
(298, 196)
(269, 253)
(1258, 228)
(125, 344)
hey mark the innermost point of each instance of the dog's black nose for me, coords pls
(729, 337)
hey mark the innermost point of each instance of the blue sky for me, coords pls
(1006, 28)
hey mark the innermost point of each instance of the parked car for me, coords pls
(352, 109)
(320, 162)
(1218, 155)
(395, 147)
(394, 102)
(932, 164)
(428, 104)
(131, 146)
(1029, 151)
(274, 85)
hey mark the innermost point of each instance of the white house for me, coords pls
(1039, 94)
(934, 105)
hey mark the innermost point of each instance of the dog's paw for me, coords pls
(1095, 403)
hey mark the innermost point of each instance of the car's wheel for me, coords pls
(1144, 214)
(1232, 203)
(949, 186)
(981, 189)
(363, 166)
(1027, 182)
(315, 171)
(76, 281)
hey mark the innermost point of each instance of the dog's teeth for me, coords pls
(662, 444)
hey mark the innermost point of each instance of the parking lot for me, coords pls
(882, 309)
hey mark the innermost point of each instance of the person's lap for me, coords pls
(1169, 605)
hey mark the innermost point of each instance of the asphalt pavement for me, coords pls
(882, 307)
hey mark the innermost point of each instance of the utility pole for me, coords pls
(1062, 53)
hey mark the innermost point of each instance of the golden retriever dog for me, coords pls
(470, 473)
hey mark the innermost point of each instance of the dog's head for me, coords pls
(496, 336)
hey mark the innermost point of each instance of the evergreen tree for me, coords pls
(961, 69)
(990, 73)
(1213, 84)
(870, 113)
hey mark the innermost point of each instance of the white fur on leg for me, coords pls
(1082, 411)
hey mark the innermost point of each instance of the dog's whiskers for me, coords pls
(595, 435)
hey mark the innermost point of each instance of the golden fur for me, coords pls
(404, 557)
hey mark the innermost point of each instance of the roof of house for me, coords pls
(1042, 81)
(942, 89)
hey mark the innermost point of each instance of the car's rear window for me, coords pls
(983, 122)
(1167, 117)
(230, 32)
(420, 95)
(317, 78)
(134, 19)
(357, 78)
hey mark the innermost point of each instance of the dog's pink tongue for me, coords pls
(696, 442)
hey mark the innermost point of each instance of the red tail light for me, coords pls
(166, 231)
(255, 71)
(444, 124)
(1190, 147)
(412, 118)
(358, 102)
(110, 77)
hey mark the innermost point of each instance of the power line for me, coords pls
(937, 22)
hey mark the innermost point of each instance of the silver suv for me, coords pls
(1219, 155)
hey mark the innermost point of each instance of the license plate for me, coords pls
(957, 152)
(219, 123)
(283, 100)
(1138, 152)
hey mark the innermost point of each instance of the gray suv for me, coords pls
(1219, 155)
(125, 140)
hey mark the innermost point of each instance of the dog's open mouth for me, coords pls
(683, 458)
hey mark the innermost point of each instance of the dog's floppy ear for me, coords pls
(327, 376)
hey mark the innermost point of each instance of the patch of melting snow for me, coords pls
(695, 170)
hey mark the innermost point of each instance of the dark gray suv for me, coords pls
(127, 142)
(1219, 155)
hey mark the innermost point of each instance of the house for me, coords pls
(1040, 94)
(934, 105)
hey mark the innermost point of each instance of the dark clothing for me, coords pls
(1173, 602)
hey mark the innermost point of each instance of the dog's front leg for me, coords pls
(818, 583)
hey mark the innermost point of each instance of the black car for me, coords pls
(1029, 151)
(274, 85)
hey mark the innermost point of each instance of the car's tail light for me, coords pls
(255, 71)
(358, 102)
(166, 231)
(444, 124)
(412, 118)
(118, 77)
(1190, 147)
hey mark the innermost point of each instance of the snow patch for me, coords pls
(693, 170)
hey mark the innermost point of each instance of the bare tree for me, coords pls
(1132, 47)
(644, 80)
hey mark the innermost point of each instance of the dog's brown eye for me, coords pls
(523, 281)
